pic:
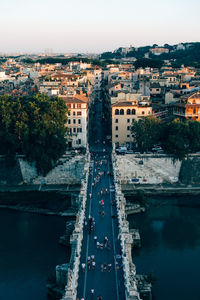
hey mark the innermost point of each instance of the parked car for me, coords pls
(157, 148)
(121, 150)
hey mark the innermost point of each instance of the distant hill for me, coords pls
(187, 54)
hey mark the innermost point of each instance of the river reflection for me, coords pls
(170, 248)
(29, 252)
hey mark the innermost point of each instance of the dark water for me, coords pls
(170, 249)
(29, 252)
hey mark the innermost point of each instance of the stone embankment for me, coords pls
(69, 170)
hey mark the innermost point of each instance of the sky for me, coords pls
(95, 26)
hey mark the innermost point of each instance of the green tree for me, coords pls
(176, 138)
(33, 126)
(146, 133)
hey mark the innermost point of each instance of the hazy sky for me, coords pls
(95, 25)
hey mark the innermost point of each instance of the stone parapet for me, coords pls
(76, 238)
(126, 240)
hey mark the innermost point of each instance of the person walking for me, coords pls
(92, 294)
(109, 267)
(83, 267)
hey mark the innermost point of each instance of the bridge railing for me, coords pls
(131, 291)
(76, 239)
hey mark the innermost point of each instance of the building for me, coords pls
(159, 50)
(188, 108)
(77, 120)
(123, 114)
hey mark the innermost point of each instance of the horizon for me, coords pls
(95, 26)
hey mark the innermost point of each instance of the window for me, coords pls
(121, 112)
(116, 111)
(74, 105)
(69, 113)
(70, 130)
(79, 105)
(79, 141)
(116, 135)
(79, 113)
(74, 130)
(128, 111)
(128, 120)
(74, 121)
(133, 111)
(142, 112)
(79, 121)
(74, 113)
(116, 127)
(128, 135)
(128, 127)
(69, 121)
(79, 129)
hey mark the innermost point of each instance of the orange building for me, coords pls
(188, 108)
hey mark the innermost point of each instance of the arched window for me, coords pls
(121, 112)
(133, 111)
(116, 111)
(128, 111)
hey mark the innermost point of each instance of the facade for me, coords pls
(123, 114)
(77, 120)
(188, 108)
(159, 50)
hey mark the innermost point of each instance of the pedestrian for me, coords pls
(105, 241)
(93, 265)
(95, 239)
(101, 246)
(116, 266)
(92, 257)
(83, 267)
(102, 267)
(103, 213)
(109, 267)
(99, 298)
(98, 245)
(90, 195)
(92, 294)
(88, 264)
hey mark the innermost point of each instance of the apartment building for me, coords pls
(188, 108)
(123, 114)
(77, 120)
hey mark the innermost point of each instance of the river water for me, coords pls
(170, 233)
(29, 252)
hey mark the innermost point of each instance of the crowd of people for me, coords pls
(98, 197)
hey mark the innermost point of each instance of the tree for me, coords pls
(176, 138)
(33, 126)
(146, 62)
(146, 133)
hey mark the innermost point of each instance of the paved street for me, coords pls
(106, 277)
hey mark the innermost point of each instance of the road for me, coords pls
(108, 284)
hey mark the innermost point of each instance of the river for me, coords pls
(170, 233)
(29, 252)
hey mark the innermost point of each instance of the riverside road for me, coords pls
(100, 276)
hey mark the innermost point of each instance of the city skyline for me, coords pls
(95, 26)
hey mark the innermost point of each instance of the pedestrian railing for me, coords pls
(129, 269)
(77, 238)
